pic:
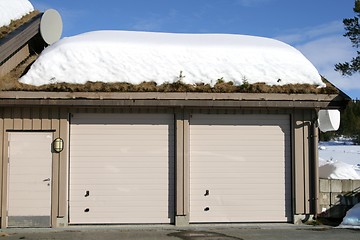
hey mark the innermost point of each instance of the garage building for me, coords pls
(76, 158)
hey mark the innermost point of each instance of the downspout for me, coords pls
(314, 173)
(315, 165)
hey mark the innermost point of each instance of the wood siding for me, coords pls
(303, 161)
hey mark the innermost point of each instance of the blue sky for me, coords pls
(312, 26)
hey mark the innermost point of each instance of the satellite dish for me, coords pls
(51, 26)
(329, 120)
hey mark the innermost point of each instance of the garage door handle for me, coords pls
(46, 180)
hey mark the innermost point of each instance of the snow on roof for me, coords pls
(135, 57)
(13, 10)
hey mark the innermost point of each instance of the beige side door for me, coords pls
(29, 189)
(240, 168)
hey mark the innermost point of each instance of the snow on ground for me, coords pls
(135, 57)
(13, 10)
(352, 218)
(337, 170)
(339, 160)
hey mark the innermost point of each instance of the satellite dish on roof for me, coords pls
(51, 26)
(329, 120)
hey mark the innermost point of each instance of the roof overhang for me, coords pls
(172, 99)
(18, 38)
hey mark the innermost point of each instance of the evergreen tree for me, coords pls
(352, 28)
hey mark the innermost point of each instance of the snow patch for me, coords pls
(135, 57)
(352, 218)
(340, 150)
(13, 10)
(322, 148)
(339, 159)
(337, 170)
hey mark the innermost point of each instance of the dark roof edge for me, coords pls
(21, 98)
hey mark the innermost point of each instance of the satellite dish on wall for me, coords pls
(329, 120)
(51, 26)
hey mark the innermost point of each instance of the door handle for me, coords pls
(46, 180)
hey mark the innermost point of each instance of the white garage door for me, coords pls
(240, 168)
(121, 168)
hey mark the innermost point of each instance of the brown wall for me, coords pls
(304, 144)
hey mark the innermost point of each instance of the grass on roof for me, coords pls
(10, 83)
(5, 30)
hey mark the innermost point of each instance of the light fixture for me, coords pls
(58, 145)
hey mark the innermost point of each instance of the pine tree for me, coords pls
(350, 121)
(352, 28)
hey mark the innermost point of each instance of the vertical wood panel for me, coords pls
(55, 125)
(45, 119)
(54, 116)
(2, 157)
(27, 122)
(306, 140)
(36, 121)
(313, 164)
(299, 165)
(8, 124)
(18, 122)
(316, 173)
(63, 164)
(179, 164)
(292, 139)
(186, 144)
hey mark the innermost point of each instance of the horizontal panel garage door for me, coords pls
(121, 168)
(240, 168)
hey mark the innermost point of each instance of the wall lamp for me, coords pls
(58, 145)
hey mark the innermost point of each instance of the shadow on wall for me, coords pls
(337, 197)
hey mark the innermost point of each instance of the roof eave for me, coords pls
(172, 99)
